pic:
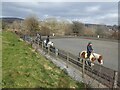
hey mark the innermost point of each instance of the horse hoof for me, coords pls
(92, 64)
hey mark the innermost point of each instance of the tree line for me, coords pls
(49, 26)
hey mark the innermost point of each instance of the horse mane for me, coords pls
(100, 58)
(84, 51)
(96, 55)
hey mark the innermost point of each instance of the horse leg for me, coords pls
(81, 59)
(89, 63)
(86, 62)
(92, 64)
(78, 59)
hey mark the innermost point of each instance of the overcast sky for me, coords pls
(86, 12)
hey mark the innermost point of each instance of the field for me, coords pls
(22, 67)
(108, 49)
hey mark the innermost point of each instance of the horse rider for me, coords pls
(89, 49)
(47, 40)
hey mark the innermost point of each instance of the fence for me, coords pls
(106, 76)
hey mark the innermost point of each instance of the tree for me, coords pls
(45, 31)
(63, 27)
(4, 25)
(89, 31)
(101, 30)
(16, 26)
(58, 27)
(115, 34)
(52, 24)
(68, 29)
(31, 25)
(78, 28)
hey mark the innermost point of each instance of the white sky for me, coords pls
(60, 0)
(86, 11)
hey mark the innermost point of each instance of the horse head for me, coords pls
(100, 59)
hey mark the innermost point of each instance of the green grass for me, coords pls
(22, 67)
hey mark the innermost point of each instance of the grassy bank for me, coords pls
(22, 67)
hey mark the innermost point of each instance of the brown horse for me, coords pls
(93, 57)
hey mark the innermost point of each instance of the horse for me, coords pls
(50, 43)
(93, 57)
(37, 39)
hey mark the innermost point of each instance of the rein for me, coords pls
(93, 55)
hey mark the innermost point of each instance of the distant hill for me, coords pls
(112, 27)
(10, 19)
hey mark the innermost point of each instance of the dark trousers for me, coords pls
(46, 43)
(88, 54)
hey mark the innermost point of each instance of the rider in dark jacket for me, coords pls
(47, 40)
(89, 49)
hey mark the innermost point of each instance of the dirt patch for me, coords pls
(47, 67)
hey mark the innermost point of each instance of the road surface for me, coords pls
(108, 49)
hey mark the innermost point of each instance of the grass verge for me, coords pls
(22, 67)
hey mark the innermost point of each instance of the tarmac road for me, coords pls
(108, 49)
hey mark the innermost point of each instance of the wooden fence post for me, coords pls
(83, 72)
(67, 56)
(83, 69)
(67, 60)
(38, 43)
(115, 79)
(42, 45)
(56, 52)
(48, 50)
